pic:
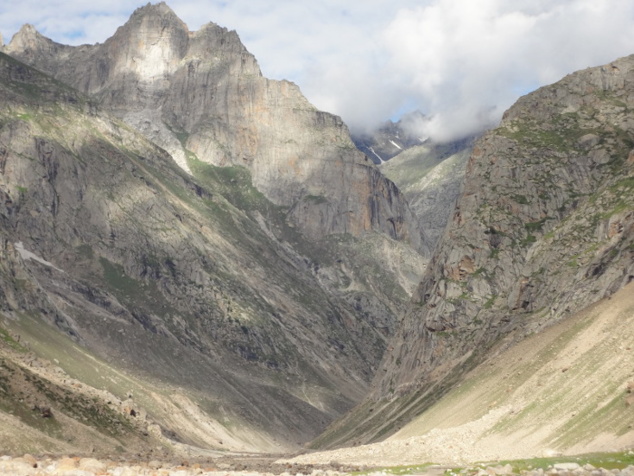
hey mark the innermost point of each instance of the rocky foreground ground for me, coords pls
(29, 465)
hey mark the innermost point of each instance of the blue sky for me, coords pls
(462, 62)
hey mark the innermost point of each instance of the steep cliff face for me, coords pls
(203, 93)
(258, 282)
(543, 228)
(430, 177)
(205, 307)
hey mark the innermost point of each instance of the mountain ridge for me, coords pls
(150, 264)
(203, 93)
(543, 227)
(236, 275)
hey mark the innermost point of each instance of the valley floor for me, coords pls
(568, 389)
(29, 465)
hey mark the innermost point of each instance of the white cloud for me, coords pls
(461, 62)
(466, 62)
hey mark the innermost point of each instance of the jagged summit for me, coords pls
(26, 31)
(152, 8)
(204, 93)
(27, 37)
(150, 23)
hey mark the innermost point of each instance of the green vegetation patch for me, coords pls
(609, 461)
(134, 292)
(10, 341)
(85, 251)
(234, 183)
(521, 199)
(116, 277)
(399, 470)
(560, 133)
(52, 399)
(489, 303)
(535, 225)
(317, 199)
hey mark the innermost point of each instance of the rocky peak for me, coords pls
(26, 36)
(160, 9)
(391, 138)
(28, 41)
(201, 95)
(144, 52)
(153, 17)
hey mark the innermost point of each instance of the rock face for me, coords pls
(430, 177)
(245, 294)
(543, 228)
(193, 293)
(203, 93)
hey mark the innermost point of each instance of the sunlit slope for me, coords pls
(566, 389)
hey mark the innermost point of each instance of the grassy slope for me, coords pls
(99, 393)
(566, 387)
(82, 418)
(563, 390)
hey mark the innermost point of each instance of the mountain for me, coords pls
(390, 139)
(194, 259)
(201, 96)
(202, 93)
(430, 177)
(543, 228)
(192, 255)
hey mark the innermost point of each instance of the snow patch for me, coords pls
(27, 255)
(378, 156)
(396, 145)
